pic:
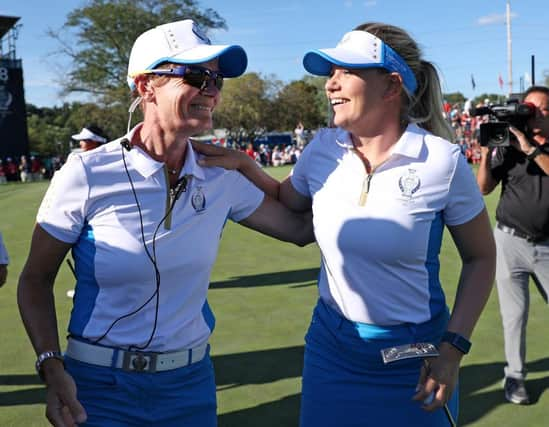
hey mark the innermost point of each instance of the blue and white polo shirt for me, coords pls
(380, 251)
(90, 204)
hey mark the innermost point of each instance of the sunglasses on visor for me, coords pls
(193, 75)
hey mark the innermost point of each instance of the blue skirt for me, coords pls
(346, 384)
(116, 398)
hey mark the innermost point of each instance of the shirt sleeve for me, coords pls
(464, 199)
(62, 213)
(299, 174)
(4, 258)
(246, 197)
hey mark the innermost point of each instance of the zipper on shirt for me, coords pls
(172, 196)
(365, 189)
(367, 182)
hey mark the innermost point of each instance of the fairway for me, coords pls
(262, 293)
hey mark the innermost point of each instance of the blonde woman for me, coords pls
(383, 184)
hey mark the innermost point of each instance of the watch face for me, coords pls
(458, 341)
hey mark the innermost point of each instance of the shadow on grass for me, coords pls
(268, 279)
(260, 367)
(19, 380)
(282, 412)
(257, 367)
(476, 405)
(27, 396)
(266, 366)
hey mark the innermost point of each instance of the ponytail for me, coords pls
(424, 107)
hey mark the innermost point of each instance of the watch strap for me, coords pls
(42, 357)
(457, 340)
(534, 154)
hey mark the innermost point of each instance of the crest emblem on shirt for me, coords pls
(409, 183)
(198, 200)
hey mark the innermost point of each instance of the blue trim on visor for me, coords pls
(319, 63)
(233, 62)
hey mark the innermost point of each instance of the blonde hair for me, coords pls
(423, 107)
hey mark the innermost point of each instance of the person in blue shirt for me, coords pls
(383, 184)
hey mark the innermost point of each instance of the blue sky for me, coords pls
(462, 38)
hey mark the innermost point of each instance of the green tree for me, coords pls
(98, 38)
(297, 102)
(50, 129)
(321, 100)
(493, 98)
(244, 107)
(47, 132)
(454, 98)
(111, 120)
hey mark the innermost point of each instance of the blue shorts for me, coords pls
(346, 384)
(116, 398)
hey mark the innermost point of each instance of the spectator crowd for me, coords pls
(28, 168)
(466, 128)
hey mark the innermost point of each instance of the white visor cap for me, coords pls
(360, 49)
(86, 134)
(182, 42)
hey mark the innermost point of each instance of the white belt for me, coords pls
(134, 361)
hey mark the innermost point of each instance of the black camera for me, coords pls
(496, 132)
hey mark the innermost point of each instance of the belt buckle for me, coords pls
(138, 361)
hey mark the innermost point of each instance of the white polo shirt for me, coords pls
(90, 204)
(380, 260)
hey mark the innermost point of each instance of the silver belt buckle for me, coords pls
(137, 361)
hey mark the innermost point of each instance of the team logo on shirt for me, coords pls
(409, 183)
(198, 200)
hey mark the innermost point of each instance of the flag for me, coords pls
(500, 81)
(527, 79)
(473, 84)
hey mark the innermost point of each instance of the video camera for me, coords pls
(496, 133)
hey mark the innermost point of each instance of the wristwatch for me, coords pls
(457, 340)
(537, 151)
(42, 357)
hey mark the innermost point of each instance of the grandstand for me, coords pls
(13, 122)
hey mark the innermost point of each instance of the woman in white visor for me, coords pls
(143, 222)
(383, 184)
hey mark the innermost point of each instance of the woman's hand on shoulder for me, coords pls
(227, 158)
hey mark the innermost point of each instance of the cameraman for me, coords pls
(522, 230)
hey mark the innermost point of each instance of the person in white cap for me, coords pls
(90, 137)
(383, 184)
(144, 221)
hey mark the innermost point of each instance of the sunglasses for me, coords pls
(193, 75)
